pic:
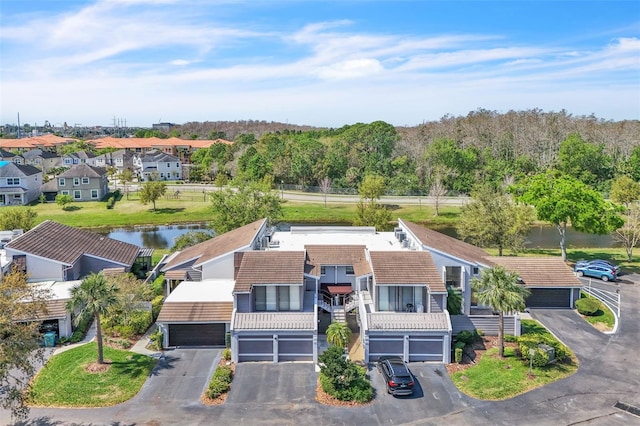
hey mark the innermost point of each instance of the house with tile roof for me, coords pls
(390, 287)
(19, 184)
(55, 252)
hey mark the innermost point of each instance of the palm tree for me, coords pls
(499, 289)
(93, 296)
(338, 334)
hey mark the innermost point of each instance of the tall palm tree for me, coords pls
(338, 334)
(93, 296)
(499, 289)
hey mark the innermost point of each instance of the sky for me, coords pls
(321, 63)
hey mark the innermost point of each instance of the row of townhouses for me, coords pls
(21, 175)
(272, 293)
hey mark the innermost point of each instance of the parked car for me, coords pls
(596, 271)
(599, 262)
(399, 380)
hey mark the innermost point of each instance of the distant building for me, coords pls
(163, 127)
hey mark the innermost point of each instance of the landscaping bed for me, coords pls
(74, 379)
(483, 374)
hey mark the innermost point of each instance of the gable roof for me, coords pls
(539, 271)
(11, 169)
(217, 246)
(446, 244)
(66, 244)
(84, 170)
(157, 156)
(269, 267)
(406, 267)
(323, 255)
(37, 152)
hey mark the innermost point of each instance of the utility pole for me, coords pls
(18, 125)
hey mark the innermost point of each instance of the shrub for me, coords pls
(540, 358)
(155, 340)
(531, 341)
(111, 202)
(510, 338)
(458, 355)
(216, 388)
(124, 344)
(156, 306)
(588, 306)
(224, 374)
(158, 285)
(76, 336)
(140, 321)
(465, 336)
(226, 354)
(124, 331)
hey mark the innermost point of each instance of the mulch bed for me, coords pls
(222, 398)
(94, 367)
(473, 353)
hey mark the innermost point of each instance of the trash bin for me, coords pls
(49, 339)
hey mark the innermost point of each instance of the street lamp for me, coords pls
(282, 189)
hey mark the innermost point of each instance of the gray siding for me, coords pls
(488, 324)
(90, 264)
(243, 302)
(437, 303)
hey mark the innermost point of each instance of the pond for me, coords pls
(162, 236)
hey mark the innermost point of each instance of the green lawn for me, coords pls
(603, 319)
(64, 382)
(495, 378)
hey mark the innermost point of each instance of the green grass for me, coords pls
(495, 378)
(603, 319)
(64, 382)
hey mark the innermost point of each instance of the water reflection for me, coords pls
(156, 237)
(163, 236)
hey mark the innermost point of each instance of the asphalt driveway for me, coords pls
(284, 394)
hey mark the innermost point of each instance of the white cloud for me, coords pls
(353, 68)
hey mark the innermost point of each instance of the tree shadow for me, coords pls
(165, 362)
(71, 208)
(166, 210)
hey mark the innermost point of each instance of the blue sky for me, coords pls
(326, 63)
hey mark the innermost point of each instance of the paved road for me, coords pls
(284, 394)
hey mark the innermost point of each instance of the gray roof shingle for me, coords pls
(539, 271)
(274, 321)
(65, 244)
(408, 321)
(326, 255)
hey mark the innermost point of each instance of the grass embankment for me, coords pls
(194, 206)
(65, 382)
(495, 378)
(603, 319)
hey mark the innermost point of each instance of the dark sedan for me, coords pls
(399, 380)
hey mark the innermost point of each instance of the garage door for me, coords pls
(549, 298)
(196, 334)
(385, 346)
(295, 348)
(426, 349)
(255, 348)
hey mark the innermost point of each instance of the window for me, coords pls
(61, 182)
(94, 193)
(13, 181)
(178, 165)
(350, 270)
(399, 298)
(277, 298)
(77, 195)
(476, 270)
(85, 181)
(323, 270)
(76, 181)
(65, 192)
(453, 276)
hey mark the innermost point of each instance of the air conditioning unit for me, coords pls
(402, 236)
(405, 243)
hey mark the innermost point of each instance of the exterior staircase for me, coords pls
(338, 314)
